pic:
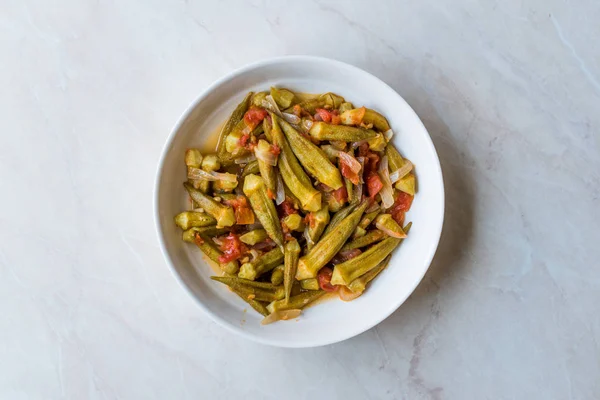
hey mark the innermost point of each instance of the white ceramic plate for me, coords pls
(331, 321)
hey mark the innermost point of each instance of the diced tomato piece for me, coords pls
(324, 278)
(340, 195)
(323, 114)
(363, 150)
(254, 116)
(310, 219)
(336, 119)
(297, 110)
(244, 140)
(398, 216)
(403, 201)
(275, 149)
(198, 238)
(232, 248)
(374, 184)
(287, 208)
(348, 173)
(243, 212)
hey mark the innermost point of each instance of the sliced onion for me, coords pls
(356, 145)
(350, 161)
(401, 172)
(354, 165)
(338, 144)
(357, 192)
(280, 196)
(255, 254)
(291, 118)
(390, 232)
(197, 173)
(388, 134)
(217, 241)
(361, 160)
(245, 160)
(247, 130)
(306, 124)
(347, 294)
(266, 156)
(387, 192)
(281, 315)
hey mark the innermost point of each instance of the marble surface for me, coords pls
(510, 92)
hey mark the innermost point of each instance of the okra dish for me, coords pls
(304, 195)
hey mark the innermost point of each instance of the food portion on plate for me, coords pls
(304, 195)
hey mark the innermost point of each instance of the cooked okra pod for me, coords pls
(223, 214)
(324, 131)
(316, 225)
(282, 97)
(294, 222)
(386, 223)
(253, 237)
(212, 252)
(329, 245)
(312, 158)
(253, 290)
(266, 170)
(292, 252)
(339, 217)
(296, 302)
(359, 284)
(310, 284)
(292, 173)
(262, 264)
(235, 118)
(277, 275)
(250, 168)
(189, 219)
(348, 271)
(369, 238)
(258, 306)
(255, 190)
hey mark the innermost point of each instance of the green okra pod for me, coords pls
(208, 247)
(263, 206)
(190, 219)
(283, 97)
(317, 221)
(291, 254)
(310, 284)
(258, 306)
(277, 275)
(312, 158)
(250, 168)
(223, 214)
(359, 284)
(386, 223)
(267, 171)
(378, 121)
(206, 231)
(253, 237)
(407, 184)
(235, 118)
(339, 217)
(294, 222)
(262, 264)
(292, 173)
(296, 302)
(369, 238)
(348, 271)
(329, 245)
(260, 291)
(324, 131)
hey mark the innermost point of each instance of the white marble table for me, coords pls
(510, 92)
